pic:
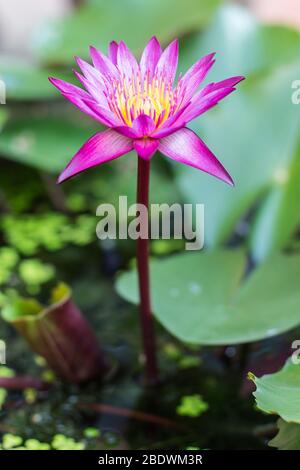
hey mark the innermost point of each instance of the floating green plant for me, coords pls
(58, 442)
(8, 260)
(29, 233)
(192, 406)
(34, 273)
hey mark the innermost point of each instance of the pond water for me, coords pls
(124, 412)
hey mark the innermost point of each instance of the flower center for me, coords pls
(153, 96)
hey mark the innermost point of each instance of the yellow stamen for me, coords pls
(150, 96)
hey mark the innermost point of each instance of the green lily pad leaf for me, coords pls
(288, 437)
(279, 393)
(45, 143)
(98, 22)
(278, 216)
(202, 298)
(234, 32)
(258, 147)
(25, 82)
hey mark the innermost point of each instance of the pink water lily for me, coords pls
(143, 108)
(144, 111)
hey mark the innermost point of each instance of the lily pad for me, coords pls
(254, 132)
(44, 143)
(202, 297)
(288, 437)
(98, 22)
(25, 82)
(235, 32)
(279, 393)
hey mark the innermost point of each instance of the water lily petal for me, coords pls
(170, 125)
(100, 148)
(200, 104)
(90, 72)
(113, 51)
(167, 64)
(164, 132)
(96, 91)
(228, 82)
(195, 75)
(142, 126)
(85, 107)
(145, 148)
(127, 131)
(84, 101)
(150, 57)
(65, 87)
(126, 61)
(78, 96)
(186, 147)
(212, 87)
(104, 64)
(108, 117)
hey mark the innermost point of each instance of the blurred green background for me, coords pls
(47, 232)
